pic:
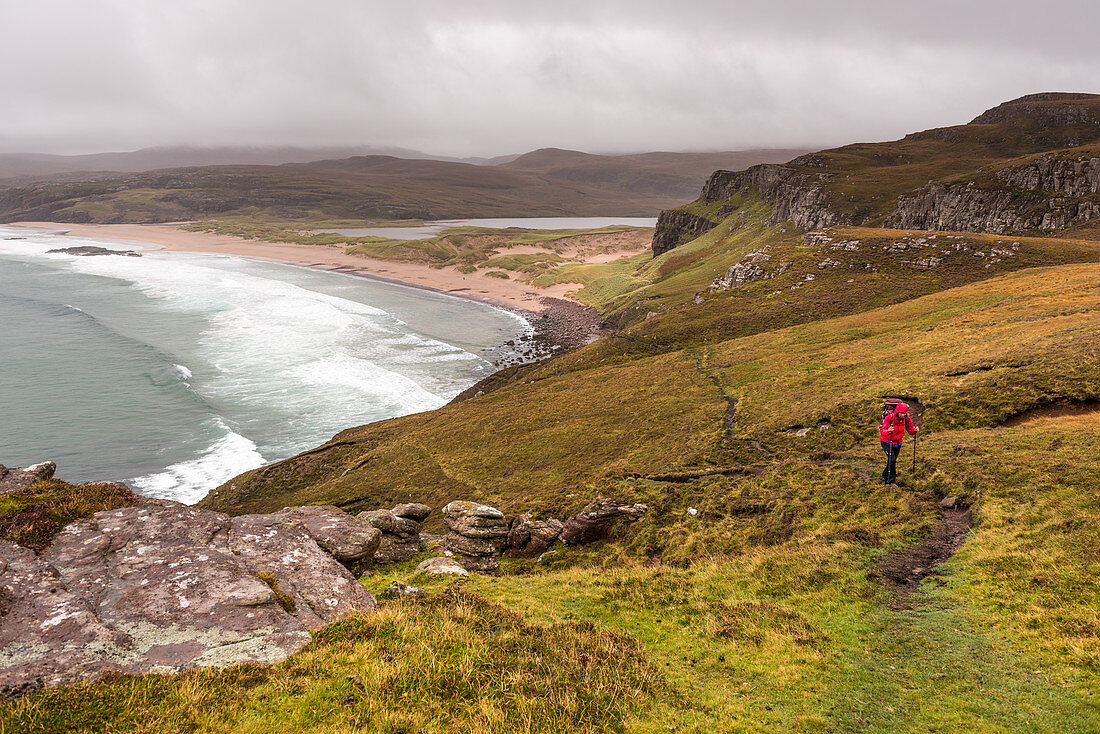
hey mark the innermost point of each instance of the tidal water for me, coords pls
(175, 371)
(431, 229)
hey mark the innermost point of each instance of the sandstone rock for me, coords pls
(348, 539)
(162, 587)
(529, 538)
(400, 528)
(323, 591)
(413, 511)
(476, 533)
(390, 523)
(475, 521)
(594, 521)
(46, 630)
(442, 566)
(15, 479)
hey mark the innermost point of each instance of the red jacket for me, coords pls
(896, 424)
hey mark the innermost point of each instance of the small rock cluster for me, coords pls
(400, 528)
(161, 587)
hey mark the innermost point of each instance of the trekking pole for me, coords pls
(916, 439)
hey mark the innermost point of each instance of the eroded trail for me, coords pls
(905, 568)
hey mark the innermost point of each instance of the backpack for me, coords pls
(888, 407)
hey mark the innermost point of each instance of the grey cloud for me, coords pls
(495, 77)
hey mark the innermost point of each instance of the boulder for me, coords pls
(528, 538)
(15, 479)
(413, 511)
(163, 587)
(400, 528)
(594, 521)
(441, 566)
(347, 539)
(477, 534)
(322, 589)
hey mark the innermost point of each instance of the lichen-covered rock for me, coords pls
(594, 521)
(442, 566)
(46, 630)
(322, 589)
(400, 529)
(413, 511)
(15, 479)
(348, 539)
(475, 521)
(529, 538)
(477, 534)
(162, 587)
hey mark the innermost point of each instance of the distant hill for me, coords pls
(26, 165)
(547, 182)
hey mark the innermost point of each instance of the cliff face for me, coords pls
(794, 195)
(1048, 194)
(677, 226)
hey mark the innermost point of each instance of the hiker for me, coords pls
(894, 425)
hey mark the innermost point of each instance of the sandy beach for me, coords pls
(511, 293)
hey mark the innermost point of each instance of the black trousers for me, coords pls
(890, 473)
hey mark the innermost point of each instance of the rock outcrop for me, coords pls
(1048, 194)
(347, 539)
(162, 587)
(529, 538)
(594, 522)
(400, 528)
(794, 195)
(16, 479)
(93, 250)
(476, 535)
(677, 226)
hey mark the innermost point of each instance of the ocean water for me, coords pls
(175, 371)
(431, 229)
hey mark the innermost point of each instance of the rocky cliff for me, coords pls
(1028, 165)
(794, 195)
(1047, 194)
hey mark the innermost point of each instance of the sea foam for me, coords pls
(281, 367)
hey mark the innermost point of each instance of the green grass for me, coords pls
(451, 663)
(33, 516)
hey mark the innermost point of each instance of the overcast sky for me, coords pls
(465, 77)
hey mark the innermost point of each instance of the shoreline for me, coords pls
(555, 318)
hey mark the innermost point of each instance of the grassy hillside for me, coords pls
(767, 609)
